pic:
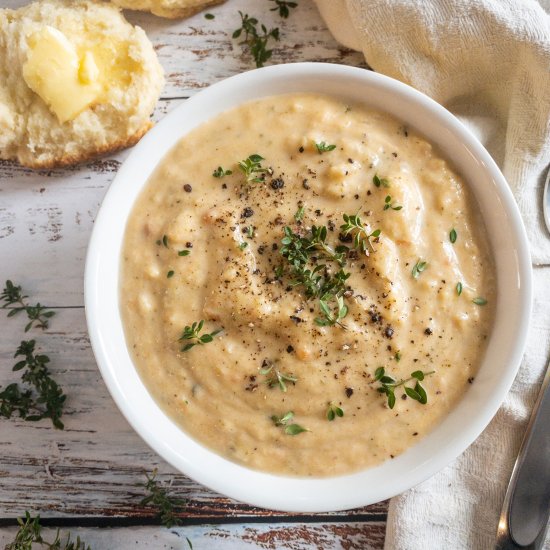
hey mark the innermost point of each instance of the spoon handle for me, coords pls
(526, 508)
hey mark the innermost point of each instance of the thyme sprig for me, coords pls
(361, 236)
(317, 279)
(167, 505)
(389, 203)
(334, 411)
(30, 532)
(283, 421)
(192, 335)
(38, 315)
(255, 40)
(220, 172)
(284, 7)
(253, 170)
(276, 377)
(389, 384)
(44, 398)
(323, 147)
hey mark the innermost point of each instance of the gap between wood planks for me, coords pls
(118, 521)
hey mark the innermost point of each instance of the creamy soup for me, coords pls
(342, 272)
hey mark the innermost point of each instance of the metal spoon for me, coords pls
(526, 508)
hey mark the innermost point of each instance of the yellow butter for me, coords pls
(67, 83)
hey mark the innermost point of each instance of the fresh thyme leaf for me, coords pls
(299, 215)
(361, 236)
(209, 16)
(397, 356)
(43, 399)
(165, 241)
(452, 235)
(331, 317)
(255, 41)
(243, 245)
(220, 172)
(38, 315)
(283, 7)
(389, 204)
(479, 301)
(459, 288)
(250, 231)
(282, 420)
(323, 147)
(184, 252)
(295, 429)
(192, 333)
(158, 497)
(389, 384)
(334, 411)
(30, 531)
(170, 274)
(380, 182)
(253, 170)
(418, 268)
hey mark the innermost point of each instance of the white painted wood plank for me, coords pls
(295, 536)
(45, 223)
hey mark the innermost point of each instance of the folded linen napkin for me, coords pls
(488, 62)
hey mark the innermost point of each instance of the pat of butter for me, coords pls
(53, 70)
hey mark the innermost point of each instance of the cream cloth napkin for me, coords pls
(488, 62)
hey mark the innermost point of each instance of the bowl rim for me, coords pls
(257, 488)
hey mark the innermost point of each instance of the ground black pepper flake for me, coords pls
(277, 183)
(470, 380)
(301, 149)
(428, 331)
(224, 185)
(289, 349)
(305, 184)
(388, 333)
(187, 188)
(349, 392)
(297, 320)
(345, 238)
(189, 244)
(247, 212)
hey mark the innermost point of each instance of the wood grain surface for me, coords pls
(88, 475)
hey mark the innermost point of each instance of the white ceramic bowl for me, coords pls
(457, 431)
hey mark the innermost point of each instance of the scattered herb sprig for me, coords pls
(361, 236)
(389, 384)
(334, 411)
(284, 7)
(254, 39)
(220, 172)
(253, 170)
(289, 429)
(30, 532)
(158, 497)
(276, 377)
(43, 399)
(38, 315)
(323, 147)
(389, 203)
(191, 335)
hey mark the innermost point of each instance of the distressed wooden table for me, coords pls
(86, 477)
